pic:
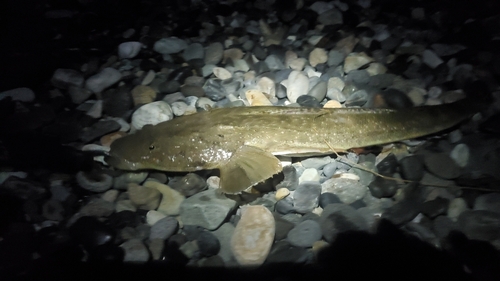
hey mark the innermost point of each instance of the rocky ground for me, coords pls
(76, 75)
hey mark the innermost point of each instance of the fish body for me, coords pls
(243, 142)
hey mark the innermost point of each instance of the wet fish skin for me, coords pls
(242, 142)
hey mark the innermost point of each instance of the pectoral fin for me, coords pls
(247, 166)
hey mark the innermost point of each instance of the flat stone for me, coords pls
(347, 190)
(207, 209)
(171, 199)
(305, 234)
(145, 198)
(151, 114)
(102, 80)
(128, 50)
(253, 236)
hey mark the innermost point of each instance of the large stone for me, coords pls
(253, 236)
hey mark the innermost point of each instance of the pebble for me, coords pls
(135, 251)
(488, 202)
(340, 218)
(151, 114)
(169, 45)
(19, 94)
(358, 98)
(319, 91)
(480, 225)
(306, 196)
(456, 207)
(207, 209)
(208, 244)
(94, 182)
(436, 207)
(171, 199)
(221, 73)
(214, 90)
(214, 53)
(296, 85)
(164, 228)
(305, 234)
(189, 184)
(460, 154)
(318, 56)
(412, 168)
(381, 188)
(97, 207)
(253, 235)
(257, 98)
(347, 190)
(65, 78)
(143, 197)
(224, 234)
(441, 165)
(102, 80)
(129, 50)
(143, 95)
(274, 63)
(355, 61)
(431, 59)
(193, 51)
(282, 193)
(309, 174)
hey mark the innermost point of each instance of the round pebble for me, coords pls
(305, 234)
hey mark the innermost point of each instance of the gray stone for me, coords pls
(331, 17)
(338, 218)
(224, 234)
(488, 202)
(102, 80)
(305, 234)
(169, 45)
(64, 78)
(305, 198)
(319, 91)
(316, 162)
(193, 51)
(135, 251)
(347, 190)
(164, 228)
(480, 225)
(207, 209)
(441, 165)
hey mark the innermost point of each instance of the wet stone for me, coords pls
(305, 234)
(164, 228)
(412, 168)
(90, 232)
(442, 226)
(441, 165)
(488, 202)
(283, 252)
(98, 130)
(347, 190)
(396, 99)
(328, 198)
(480, 225)
(435, 207)
(339, 218)
(214, 89)
(282, 227)
(381, 188)
(188, 185)
(135, 251)
(308, 101)
(305, 197)
(208, 244)
(388, 165)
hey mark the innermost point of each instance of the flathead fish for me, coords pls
(243, 142)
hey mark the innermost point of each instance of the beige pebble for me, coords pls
(110, 195)
(318, 56)
(171, 199)
(319, 245)
(253, 235)
(143, 94)
(143, 197)
(153, 216)
(355, 61)
(257, 98)
(106, 140)
(222, 73)
(332, 104)
(233, 54)
(282, 193)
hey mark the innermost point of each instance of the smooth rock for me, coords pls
(328, 198)
(318, 56)
(431, 59)
(64, 78)
(102, 80)
(412, 168)
(297, 85)
(208, 244)
(128, 50)
(441, 165)
(143, 94)
(319, 91)
(153, 216)
(488, 202)
(480, 225)
(169, 45)
(207, 209)
(164, 228)
(151, 114)
(214, 53)
(306, 196)
(97, 207)
(339, 218)
(171, 199)
(305, 234)
(224, 234)
(347, 190)
(221, 73)
(193, 51)
(135, 251)
(143, 197)
(355, 61)
(460, 154)
(253, 236)
(189, 184)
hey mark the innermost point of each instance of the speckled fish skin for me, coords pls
(226, 138)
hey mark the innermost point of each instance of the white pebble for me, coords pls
(460, 154)
(151, 114)
(128, 50)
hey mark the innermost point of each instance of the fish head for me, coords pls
(141, 150)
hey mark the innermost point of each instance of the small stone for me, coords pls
(319, 91)
(488, 202)
(65, 78)
(145, 198)
(253, 236)
(91, 233)
(93, 181)
(214, 89)
(305, 234)
(347, 190)
(355, 61)
(274, 63)
(214, 53)
(102, 80)
(297, 85)
(456, 207)
(208, 244)
(221, 73)
(207, 209)
(381, 188)
(435, 207)
(257, 98)
(143, 94)
(193, 51)
(358, 98)
(135, 251)
(340, 218)
(233, 53)
(441, 165)
(308, 101)
(305, 197)
(460, 154)
(412, 168)
(396, 99)
(282, 193)
(169, 45)
(298, 64)
(332, 104)
(153, 216)
(284, 206)
(189, 185)
(164, 228)
(335, 58)
(128, 50)
(480, 225)
(224, 234)
(151, 114)
(171, 199)
(331, 17)
(317, 56)
(431, 59)
(309, 174)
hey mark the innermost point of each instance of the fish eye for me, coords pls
(152, 147)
